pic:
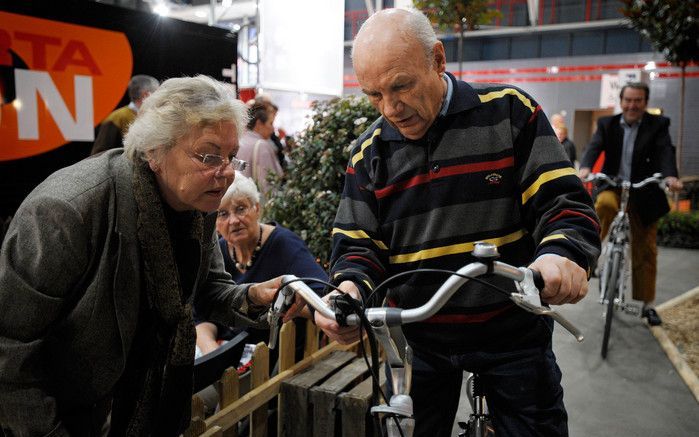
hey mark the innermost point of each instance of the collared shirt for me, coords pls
(630, 133)
(447, 98)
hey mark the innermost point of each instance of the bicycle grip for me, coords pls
(538, 279)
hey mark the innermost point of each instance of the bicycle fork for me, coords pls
(479, 422)
(398, 413)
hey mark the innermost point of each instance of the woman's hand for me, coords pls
(264, 293)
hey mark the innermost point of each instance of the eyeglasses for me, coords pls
(218, 161)
(239, 211)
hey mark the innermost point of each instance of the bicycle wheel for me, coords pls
(610, 295)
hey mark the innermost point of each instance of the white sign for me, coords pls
(302, 45)
(609, 92)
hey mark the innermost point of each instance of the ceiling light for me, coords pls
(161, 9)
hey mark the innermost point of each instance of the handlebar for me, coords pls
(528, 283)
(657, 178)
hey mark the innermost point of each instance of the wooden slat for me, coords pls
(197, 406)
(287, 345)
(297, 419)
(354, 408)
(229, 416)
(229, 387)
(260, 375)
(324, 396)
(213, 432)
(196, 427)
(312, 332)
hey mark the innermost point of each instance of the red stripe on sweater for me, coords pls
(571, 213)
(445, 172)
(535, 113)
(460, 318)
(350, 170)
(466, 318)
(366, 260)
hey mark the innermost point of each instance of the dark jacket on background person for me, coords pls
(73, 299)
(653, 152)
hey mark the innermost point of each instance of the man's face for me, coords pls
(633, 104)
(402, 84)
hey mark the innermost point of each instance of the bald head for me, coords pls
(389, 27)
(399, 65)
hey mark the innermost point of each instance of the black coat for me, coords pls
(653, 152)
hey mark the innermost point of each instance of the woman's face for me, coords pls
(265, 129)
(185, 182)
(238, 220)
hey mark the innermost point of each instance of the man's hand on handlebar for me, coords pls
(673, 184)
(566, 282)
(341, 334)
(583, 173)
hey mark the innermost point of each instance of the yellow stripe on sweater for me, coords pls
(502, 93)
(356, 158)
(359, 235)
(453, 249)
(543, 178)
(553, 237)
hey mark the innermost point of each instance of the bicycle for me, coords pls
(385, 324)
(615, 257)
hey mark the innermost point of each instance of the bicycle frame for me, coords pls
(619, 240)
(386, 323)
(614, 276)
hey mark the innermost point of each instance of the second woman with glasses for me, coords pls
(252, 252)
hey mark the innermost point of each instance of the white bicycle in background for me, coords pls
(615, 260)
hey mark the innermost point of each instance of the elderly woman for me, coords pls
(257, 148)
(253, 252)
(100, 265)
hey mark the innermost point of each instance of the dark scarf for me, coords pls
(155, 392)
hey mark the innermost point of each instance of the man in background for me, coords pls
(114, 127)
(636, 145)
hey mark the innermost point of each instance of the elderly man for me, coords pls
(446, 165)
(636, 145)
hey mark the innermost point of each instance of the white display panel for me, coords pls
(301, 45)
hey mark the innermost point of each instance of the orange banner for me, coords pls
(58, 82)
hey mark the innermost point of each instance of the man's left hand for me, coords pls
(673, 184)
(566, 282)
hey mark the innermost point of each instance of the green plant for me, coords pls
(311, 188)
(672, 27)
(679, 229)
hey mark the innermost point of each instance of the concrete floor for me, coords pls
(636, 390)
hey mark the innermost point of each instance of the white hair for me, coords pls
(414, 24)
(178, 106)
(242, 186)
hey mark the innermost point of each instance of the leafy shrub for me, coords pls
(310, 190)
(679, 229)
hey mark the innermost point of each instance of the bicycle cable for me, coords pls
(363, 323)
(374, 366)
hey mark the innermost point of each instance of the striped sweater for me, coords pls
(490, 169)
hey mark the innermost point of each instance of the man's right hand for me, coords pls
(341, 334)
(583, 172)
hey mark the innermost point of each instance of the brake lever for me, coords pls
(284, 300)
(529, 299)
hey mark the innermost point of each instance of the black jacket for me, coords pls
(653, 153)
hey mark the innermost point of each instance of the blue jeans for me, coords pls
(523, 390)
